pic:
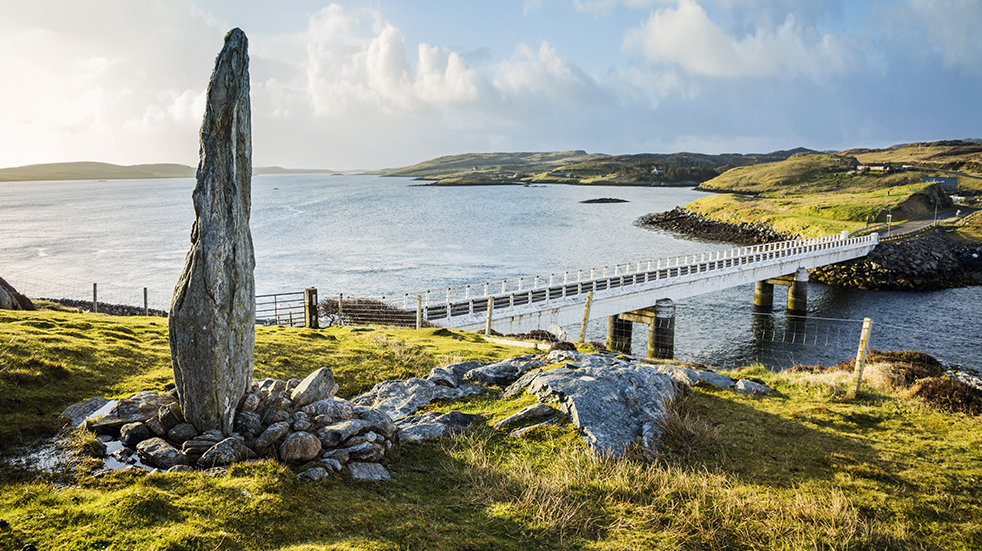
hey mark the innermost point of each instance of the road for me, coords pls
(920, 223)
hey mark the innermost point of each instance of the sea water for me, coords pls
(373, 236)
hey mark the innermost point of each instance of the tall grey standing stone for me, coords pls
(212, 315)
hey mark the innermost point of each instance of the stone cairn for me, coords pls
(296, 422)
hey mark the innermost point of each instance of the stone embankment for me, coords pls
(925, 264)
(689, 223)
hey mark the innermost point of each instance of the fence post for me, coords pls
(586, 315)
(146, 303)
(419, 311)
(310, 319)
(487, 324)
(340, 310)
(861, 355)
(95, 298)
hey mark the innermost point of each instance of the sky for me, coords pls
(386, 83)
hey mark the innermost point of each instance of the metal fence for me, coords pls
(280, 309)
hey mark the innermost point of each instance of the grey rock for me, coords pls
(181, 433)
(292, 384)
(179, 469)
(170, 415)
(400, 398)
(518, 433)
(132, 434)
(156, 427)
(426, 426)
(250, 402)
(228, 451)
(271, 435)
(159, 453)
(10, 299)
(367, 451)
(368, 471)
(317, 386)
(369, 436)
(452, 375)
(135, 409)
(248, 422)
(301, 421)
(609, 405)
(378, 420)
(690, 377)
(502, 373)
(744, 386)
(198, 445)
(299, 447)
(329, 410)
(332, 465)
(531, 412)
(521, 384)
(340, 455)
(344, 429)
(314, 474)
(75, 414)
(213, 311)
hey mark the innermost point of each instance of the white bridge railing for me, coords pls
(441, 306)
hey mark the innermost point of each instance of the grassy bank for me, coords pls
(805, 468)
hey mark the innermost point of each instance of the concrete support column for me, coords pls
(661, 332)
(618, 335)
(764, 295)
(798, 293)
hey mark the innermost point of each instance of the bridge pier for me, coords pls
(619, 334)
(764, 295)
(798, 292)
(661, 333)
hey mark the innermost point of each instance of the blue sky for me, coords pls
(387, 83)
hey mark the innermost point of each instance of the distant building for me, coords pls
(948, 183)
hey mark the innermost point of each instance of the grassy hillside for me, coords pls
(488, 163)
(811, 195)
(806, 468)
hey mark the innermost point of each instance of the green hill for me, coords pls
(87, 170)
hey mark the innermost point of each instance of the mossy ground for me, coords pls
(805, 468)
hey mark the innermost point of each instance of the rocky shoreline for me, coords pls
(685, 222)
(927, 263)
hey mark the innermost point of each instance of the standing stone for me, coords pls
(212, 315)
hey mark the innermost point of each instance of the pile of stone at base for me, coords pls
(296, 422)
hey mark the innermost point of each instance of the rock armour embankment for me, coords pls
(686, 222)
(925, 264)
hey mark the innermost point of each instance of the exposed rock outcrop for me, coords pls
(10, 299)
(686, 222)
(925, 264)
(212, 315)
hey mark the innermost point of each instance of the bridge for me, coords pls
(633, 292)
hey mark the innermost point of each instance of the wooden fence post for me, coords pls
(861, 355)
(487, 324)
(586, 315)
(146, 303)
(340, 310)
(95, 298)
(419, 311)
(310, 319)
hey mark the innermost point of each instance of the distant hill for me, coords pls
(88, 170)
(455, 165)
(93, 171)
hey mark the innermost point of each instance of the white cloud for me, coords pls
(686, 37)
(544, 75)
(953, 25)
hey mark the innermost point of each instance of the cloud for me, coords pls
(686, 37)
(953, 27)
(542, 75)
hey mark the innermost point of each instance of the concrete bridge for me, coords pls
(634, 292)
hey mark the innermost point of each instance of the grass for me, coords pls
(805, 468)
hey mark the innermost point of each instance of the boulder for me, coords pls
(248, 422)
(132, 434)
(609, 405)
(314, 474)
(159, 453)
(452, 375)
(299, 447)
(228, 451)
(75, 414)
(531, 412)
(502, 373)
(10, 299)
(181, 433)
(317, 386)
(213, 309)
(400, 398)
(135, 409)
(329, 410)
(378, 420)
(692, 377)
(426, 426)
(271, 435)
(744, 386)
(368, 471)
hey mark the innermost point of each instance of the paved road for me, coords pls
(921, 223)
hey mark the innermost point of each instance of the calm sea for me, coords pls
(371, 236)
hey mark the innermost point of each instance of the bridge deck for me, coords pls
(521, 305)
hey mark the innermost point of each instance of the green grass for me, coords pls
(804, 468)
